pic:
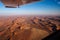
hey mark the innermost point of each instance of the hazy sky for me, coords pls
(45, 7)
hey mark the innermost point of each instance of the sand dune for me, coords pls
(27, 27)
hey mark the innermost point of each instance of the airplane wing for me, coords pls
(16, 3)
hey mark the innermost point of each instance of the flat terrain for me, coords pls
(27, 27)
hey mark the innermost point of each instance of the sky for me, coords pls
(44, 7)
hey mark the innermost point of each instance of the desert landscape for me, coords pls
(27, 27)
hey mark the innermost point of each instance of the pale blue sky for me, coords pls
(45, 7)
